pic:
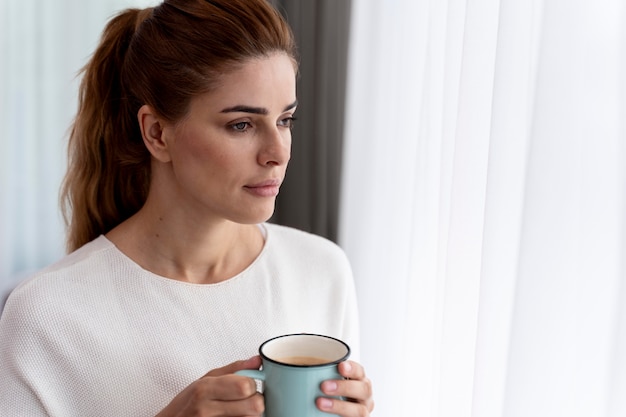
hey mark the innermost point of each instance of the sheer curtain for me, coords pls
(483, 205)
(43, 45)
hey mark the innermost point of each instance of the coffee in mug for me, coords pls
(302, 360)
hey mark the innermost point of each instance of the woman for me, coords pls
(177, 153)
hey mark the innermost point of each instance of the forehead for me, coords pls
(268, 82)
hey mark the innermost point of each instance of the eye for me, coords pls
(240, 126)
(287, 122)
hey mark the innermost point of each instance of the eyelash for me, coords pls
(290, 121)
(286, 122)
(245, 127)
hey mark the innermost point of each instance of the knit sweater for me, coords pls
(97, 335)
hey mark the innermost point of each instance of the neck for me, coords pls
(180, 248)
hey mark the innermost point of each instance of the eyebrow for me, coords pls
(255, 110)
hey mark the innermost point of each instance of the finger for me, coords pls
(253, 406)
(226, 388)
(356, 390)
(351, 370)
(252, 363)
(228, 395)
(344, 408)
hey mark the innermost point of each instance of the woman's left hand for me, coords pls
(357, 389)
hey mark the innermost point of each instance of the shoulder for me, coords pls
(83, 257)
(306, 253)
(295, 240)
(56, 282)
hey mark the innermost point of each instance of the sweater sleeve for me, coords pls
(17, 396)
(351, 326)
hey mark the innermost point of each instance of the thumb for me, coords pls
(252, 363)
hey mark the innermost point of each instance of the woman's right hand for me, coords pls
(219, 393)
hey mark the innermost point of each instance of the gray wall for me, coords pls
(309, 197)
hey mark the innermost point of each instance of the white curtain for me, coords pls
(484, 205)
(43, 45)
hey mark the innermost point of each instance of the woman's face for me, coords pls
(230, 152)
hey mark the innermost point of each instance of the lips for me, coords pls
(266, 188)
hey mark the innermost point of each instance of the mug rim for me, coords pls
(335, 362)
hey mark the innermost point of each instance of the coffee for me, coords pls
(303, 360)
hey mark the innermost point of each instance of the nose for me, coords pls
(276, 147)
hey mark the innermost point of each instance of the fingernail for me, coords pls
(347, 367)
(325, 403)
(330, 386)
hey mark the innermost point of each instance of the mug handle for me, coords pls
(252, 373)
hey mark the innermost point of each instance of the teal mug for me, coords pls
(294, 366)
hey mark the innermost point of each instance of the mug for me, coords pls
(294, 366)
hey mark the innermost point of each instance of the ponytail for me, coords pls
(108, 165)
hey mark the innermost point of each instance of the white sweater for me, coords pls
(97, 335)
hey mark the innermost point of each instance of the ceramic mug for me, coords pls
(294, 366)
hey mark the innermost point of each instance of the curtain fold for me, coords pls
(483, 205)
(511, 126)
(570, 270)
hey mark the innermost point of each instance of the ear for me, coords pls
(152, 133)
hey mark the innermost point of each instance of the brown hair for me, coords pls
(162, 56)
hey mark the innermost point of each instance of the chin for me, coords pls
(260, 216)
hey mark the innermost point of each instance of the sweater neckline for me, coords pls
(265, 230)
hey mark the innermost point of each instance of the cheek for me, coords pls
(200, 159)
(191, 146)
